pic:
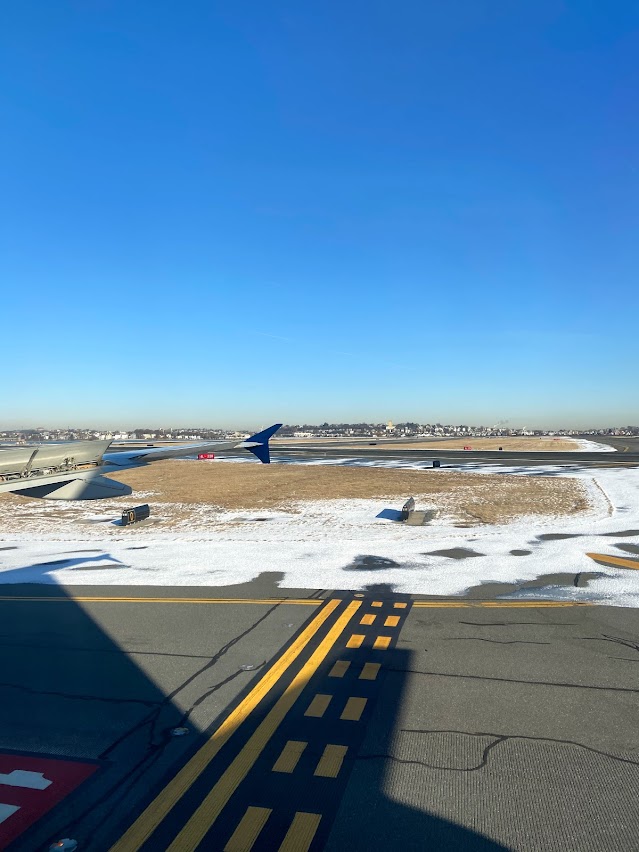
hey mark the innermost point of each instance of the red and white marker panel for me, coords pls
(30, 785)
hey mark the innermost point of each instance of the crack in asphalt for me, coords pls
(152, 718)
(78, 697)
(154, 749)
(116, 651)
(493, 641)
(223, 650)
(626, 643)
(509, 623)
(497, 739)
(515, 680)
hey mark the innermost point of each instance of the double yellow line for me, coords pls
(208, 811)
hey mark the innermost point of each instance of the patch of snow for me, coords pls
(322, 544)
(586, 446)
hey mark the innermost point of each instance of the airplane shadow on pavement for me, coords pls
(70, 692)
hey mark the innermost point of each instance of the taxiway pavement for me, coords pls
(235, 719)
(627, 454)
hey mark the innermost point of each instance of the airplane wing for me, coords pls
(256, 444)
(75, 470)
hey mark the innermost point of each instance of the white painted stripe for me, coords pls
(7, 810)
(25, 778)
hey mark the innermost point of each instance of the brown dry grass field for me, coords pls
(526, 445)
(470, 498)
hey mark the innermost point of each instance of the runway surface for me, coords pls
(326, 720)
(627, 454)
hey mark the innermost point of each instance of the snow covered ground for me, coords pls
(344, 545)
(585, 446)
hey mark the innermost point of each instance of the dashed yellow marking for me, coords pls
(301, 833)
(355, 641)
(318, 705)
(339, 669)
(368, 619)
(291, 753)
(331, 761)
(353, 709)
(391, 621)
(617, 561)
(370, 671)
(399, 605)
(382, 643)
(247, 832)
(205, 815)
(376, 603)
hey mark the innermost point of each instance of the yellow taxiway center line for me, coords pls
(192, 834)
(149, 819)
(617, 561)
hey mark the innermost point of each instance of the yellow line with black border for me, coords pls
(199, 823)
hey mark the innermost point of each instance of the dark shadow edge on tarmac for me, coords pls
(97, 812)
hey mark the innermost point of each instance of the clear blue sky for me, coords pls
(235, 213)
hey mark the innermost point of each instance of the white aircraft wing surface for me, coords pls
(75, 470)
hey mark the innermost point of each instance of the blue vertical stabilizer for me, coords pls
(261, 439)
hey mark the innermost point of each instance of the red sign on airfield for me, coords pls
(30, 785)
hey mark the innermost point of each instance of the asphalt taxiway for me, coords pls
(626, 455)
(236, 719)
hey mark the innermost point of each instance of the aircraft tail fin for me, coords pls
(258, 443)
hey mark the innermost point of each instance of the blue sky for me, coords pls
(236, 213)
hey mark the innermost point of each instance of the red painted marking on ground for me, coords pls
(38, 797)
